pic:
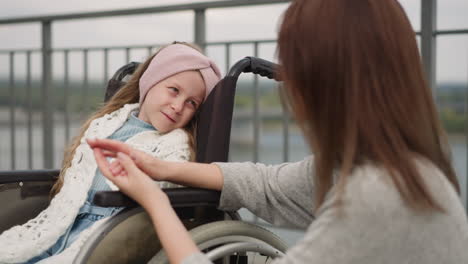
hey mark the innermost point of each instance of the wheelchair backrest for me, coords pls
(215, 114)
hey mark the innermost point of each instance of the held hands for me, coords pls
(155, 168)
(124, 173)
(208, 176)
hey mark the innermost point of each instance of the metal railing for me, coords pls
(61, 98)
(46, 50)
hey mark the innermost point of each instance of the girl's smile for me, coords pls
(172, 102)
(168, 117)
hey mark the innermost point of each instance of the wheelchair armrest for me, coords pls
(28, 176)
(179, 197)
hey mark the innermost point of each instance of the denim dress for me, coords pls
(90, 213)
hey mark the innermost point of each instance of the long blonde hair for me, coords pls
(127, 94)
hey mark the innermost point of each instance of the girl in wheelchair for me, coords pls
(153, 113)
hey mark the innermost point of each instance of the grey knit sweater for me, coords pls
(375, 228)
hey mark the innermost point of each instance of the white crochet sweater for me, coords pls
(21, 243)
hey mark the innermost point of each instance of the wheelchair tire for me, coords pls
(215, 235)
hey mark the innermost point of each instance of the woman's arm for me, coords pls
(281, 194)
(199, 175)
(136, 184)
(193, 174)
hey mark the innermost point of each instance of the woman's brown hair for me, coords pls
(355, 83)
(128, 94)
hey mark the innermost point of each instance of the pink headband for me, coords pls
(178, 58)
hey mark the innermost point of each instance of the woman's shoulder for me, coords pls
(371, 202)
(372, 217)
(371, 179)
(371, 185)
(372, 208)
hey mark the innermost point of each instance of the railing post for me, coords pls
(428, 40)
(47, 108)
(12, 111)
(200, 28)
(66, 92)
(30, 110)
(256, 114)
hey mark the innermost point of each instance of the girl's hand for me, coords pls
(129, 178)
(155, 168)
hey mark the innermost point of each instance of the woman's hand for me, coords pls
(157, 169)
(129, 178)
(136, 184)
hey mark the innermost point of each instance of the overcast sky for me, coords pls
(245, 23)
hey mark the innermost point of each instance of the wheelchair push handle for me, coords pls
(116, 81)
(257, 66)
(263, 67)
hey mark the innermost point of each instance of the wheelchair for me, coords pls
(129, 236)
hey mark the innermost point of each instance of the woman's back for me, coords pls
(376, 226)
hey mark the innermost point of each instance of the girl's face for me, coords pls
(172, 102)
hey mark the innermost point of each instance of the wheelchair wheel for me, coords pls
(233, 242)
